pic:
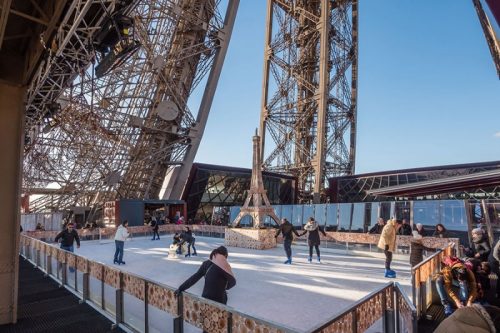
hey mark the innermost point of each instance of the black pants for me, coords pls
(287, 244)
(311, 250)
(189, 247)
(388, 259)
(156, 234)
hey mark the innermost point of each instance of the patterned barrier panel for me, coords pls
(82, 264)
(259, 239)
(209, 316)
(407, 315)
(96, 270)
(134, 286)
(341, 325)
(162, 298)
(245, 324)
(112, 277)
(71, 259)
(369, 312)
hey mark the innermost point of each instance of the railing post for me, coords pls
(229, 322)
(119, 301)
(49, 264)
(354, 324)
(85, 287)
(179, 320)
(103, 299)
(146, 301)
(396, 309)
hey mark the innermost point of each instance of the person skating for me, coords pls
(387, 242)
(313, 239)
(288, 230)
(187, 237)
(120, 236)
(68, 237)
(155, 227)
(218, 277)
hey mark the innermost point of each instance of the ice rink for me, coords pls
(300, 295)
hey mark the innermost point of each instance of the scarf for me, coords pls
(222, 262)
(311, 226)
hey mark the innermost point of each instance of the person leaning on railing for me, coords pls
(455, 273)
(417, 248)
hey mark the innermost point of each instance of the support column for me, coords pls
(11, 125)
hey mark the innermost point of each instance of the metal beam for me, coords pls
(4, 18)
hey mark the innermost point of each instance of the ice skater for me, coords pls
(288, 230)
(120, 236)
(313, 239)
(387, 242)
(187, 237)
(155, 227)
(218, 277)
(68, 237)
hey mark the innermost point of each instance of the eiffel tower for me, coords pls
(257, 194)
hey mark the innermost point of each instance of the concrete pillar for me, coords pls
(11, 149)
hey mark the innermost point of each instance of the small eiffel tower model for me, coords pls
(257, 194)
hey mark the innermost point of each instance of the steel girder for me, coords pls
(308, 113)
(109, 139)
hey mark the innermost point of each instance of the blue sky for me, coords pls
(428, 93)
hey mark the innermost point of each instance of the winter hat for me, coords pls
(477, 231)
(419, 225)
(416, 235)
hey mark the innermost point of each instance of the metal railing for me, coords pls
(422, 276)
(142, 305)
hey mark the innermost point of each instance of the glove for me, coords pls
(177, 293)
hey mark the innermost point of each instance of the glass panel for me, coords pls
(277, 210)
(331, 217)
(345, 216)
(374, 213)
(110, 299)
(95, 290)
(307, 212)
(79, 282)
(70, 276)
(188, 328)
(358, 217)
(297, 215)
(320, 214)
(286, 212)
(234, 211)
(133, 312)
(246, 221)
(159, 321)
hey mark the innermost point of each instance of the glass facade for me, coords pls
(211, 190)
(360, 217)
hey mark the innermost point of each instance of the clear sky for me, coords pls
(428, 92)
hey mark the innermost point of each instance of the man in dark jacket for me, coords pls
(288, 230)
(405, 229)
(187, 237)
(68, 237)
(154, 226)
(377, 228)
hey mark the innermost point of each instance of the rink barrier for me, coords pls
(389, 303)
(136, 303)
(348, 239)
(422, 276)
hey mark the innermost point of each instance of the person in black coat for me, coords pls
(218, 277)
(421, 230)
(377, 228)
(405, 229)
(68, 237)
(187, 237)
(494, 260)
(440, 231)
(155, 227)
(417, 249)
(313, 239)
(288, 230)
(481, 245)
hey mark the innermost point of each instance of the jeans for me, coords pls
(311, 250)
(388, 259)
(463, 293)
(70, 249)
(156, 234)
(287, 244)
(189, 247)
(119, 251)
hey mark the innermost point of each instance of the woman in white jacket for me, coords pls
(120, 237)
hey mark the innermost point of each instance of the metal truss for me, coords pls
(489, 33)
(119, 135)
(357, 188)
(308, 114)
